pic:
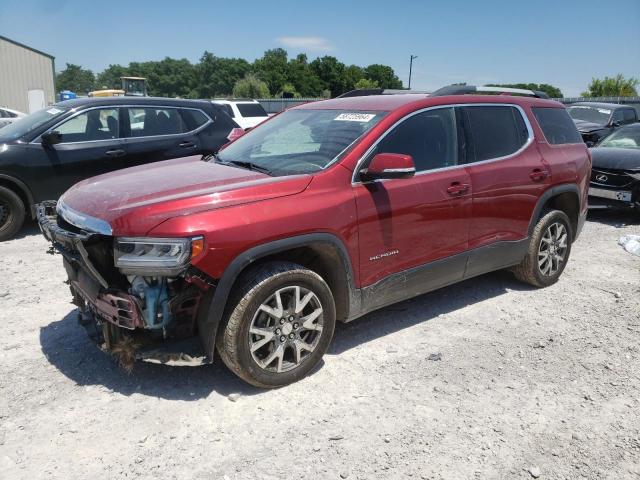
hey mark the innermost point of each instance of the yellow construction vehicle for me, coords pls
(133, 86)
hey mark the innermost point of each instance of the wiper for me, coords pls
(247, 165)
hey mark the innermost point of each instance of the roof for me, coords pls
(132, 100)
(393, 102)
(599, 105)
(27, 47)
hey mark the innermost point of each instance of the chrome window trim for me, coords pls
(81, 220)
(529, 141)
(117, 107)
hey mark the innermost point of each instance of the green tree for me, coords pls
(110, 77)
(384, 75)
(553, 92)
(216, 76)
(617, 86)
(352, 75)
(365, 83)
(331, 72)
(75, 78)
(303, 78)
(250, 87)
(169, 77)
(272, 69)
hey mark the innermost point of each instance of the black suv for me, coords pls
(43, 154)
(597, 120)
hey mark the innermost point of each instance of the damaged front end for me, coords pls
(138, 298)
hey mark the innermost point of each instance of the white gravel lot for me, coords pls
(529, 383)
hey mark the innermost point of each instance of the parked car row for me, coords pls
(324, 213)
(45, 153)
(8, 115)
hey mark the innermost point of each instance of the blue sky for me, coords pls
(561, 42)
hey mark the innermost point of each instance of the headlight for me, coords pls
(155, 256)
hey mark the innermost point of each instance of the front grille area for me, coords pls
(611, 178)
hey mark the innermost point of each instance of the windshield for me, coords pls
(590, 114)
(624, 138)
(300, 141)
(24, 125)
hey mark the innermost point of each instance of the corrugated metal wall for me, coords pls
(22, 70)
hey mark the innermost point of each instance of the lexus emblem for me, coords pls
(602, 178)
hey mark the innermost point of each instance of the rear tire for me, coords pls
(12, 213)
(278, 325)
(548, 252)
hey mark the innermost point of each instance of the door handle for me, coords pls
(538, 174)
(457, 189)
(186, 144)
(115, 153)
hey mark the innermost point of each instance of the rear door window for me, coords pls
(496, 131)
(429, 137)
(251, 110)
(557, 126)
(96, 124)
(153, 121)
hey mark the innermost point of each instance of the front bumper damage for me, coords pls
(153, 318)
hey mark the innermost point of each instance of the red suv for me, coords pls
(325, 212)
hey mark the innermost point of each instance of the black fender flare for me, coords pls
(550, 193)
(212, 313)
(20, 185)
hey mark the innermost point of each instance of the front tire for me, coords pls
(11, 214)
(278, 325)
(548, 252)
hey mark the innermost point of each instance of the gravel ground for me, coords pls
(485, 379)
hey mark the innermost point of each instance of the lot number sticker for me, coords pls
(355, 117)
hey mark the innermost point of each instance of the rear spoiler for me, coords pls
(471, 89)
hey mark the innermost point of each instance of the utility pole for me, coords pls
(411, 67)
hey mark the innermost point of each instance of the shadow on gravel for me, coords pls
(422, 309)
(29, 229)
(68, 348)
(614, 218)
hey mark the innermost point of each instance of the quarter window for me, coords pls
(496, 131)
(251, 110)
(557, 126)
(96, 124)
(193, 119)
(429, 137)
(629, 115)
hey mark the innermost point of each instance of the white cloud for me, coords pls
(306, 43)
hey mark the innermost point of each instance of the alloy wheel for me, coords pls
(552, 251)
(285, 329)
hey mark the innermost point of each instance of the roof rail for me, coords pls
(363, 92)
(470, 89)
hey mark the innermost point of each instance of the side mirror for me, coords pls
(389, 165)
(590, 143)
(616, 123)
(51, 138)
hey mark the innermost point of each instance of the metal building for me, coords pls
(27, 77)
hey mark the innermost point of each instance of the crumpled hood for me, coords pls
(616, 158)
(135, 200)
(586, 127)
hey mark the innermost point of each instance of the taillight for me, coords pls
(235, 133)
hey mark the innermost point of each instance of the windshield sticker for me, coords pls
(54, 111)
(355, 117)
(604, 110)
